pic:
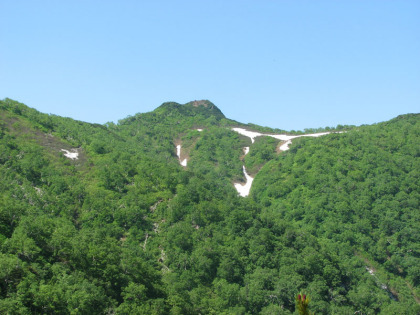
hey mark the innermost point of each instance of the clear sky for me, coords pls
(278, 63)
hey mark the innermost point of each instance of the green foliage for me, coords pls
(125, 229)
(262, 151)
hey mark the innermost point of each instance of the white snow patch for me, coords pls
(246, 150)
(250, 134)
(243, 190)
(285, 146)
(319, 134)
(199, 129)
(254, 134)
(178, 153)
(370, 270)
(71, 155)
(282, 137)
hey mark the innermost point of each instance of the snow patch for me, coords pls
(243, 190)
(178, 153)
(319, 134)
(247, 133)
(282, 137)
(246, 150)
(285, 146)
(254, 134)
(199, 129)
(370, 270)
(71, 155)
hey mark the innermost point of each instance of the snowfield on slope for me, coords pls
(71, 155)
(178, 153)
(285, 146)
(243, 190)
(282, 137)
(254, 134)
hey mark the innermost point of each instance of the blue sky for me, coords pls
(283, 64)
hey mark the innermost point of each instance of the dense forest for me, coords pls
(103, 219)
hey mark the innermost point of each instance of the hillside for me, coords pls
(142, 216)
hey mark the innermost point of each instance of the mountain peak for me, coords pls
(205, 107)
(204, 103)
(197, 107)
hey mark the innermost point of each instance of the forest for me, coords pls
(103, 219)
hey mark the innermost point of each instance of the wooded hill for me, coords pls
(125, 229)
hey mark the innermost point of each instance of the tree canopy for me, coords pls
(124, 228)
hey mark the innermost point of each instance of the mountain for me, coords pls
(144, 216)
(202, 108)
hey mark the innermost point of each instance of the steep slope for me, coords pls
(64, 222)
(360, 190)
(126, 229)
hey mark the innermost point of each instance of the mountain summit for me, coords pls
(204, 108)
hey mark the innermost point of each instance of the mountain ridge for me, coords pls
(127, 229)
